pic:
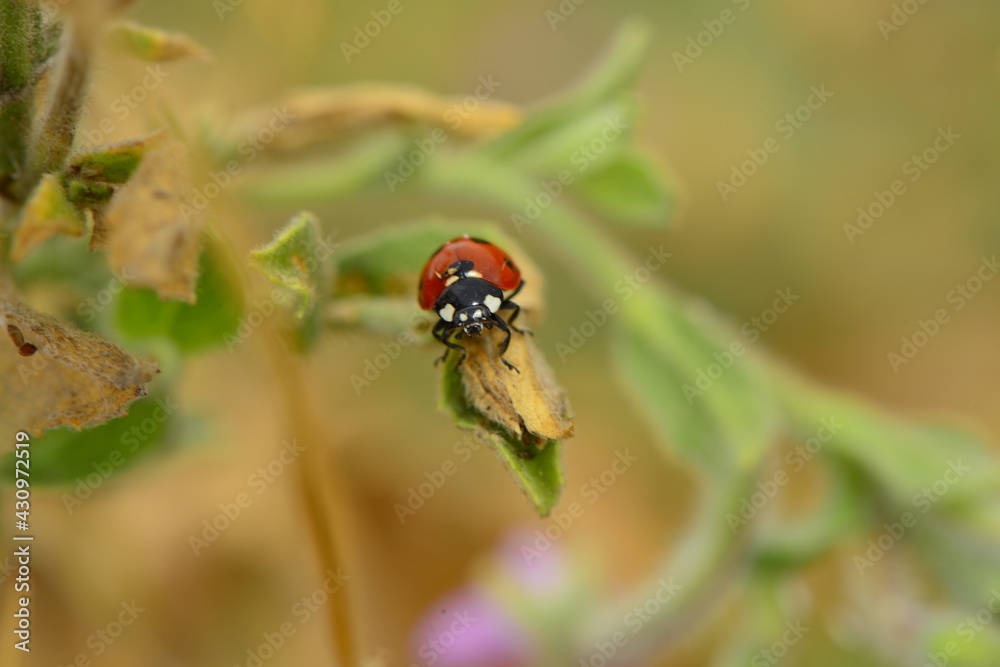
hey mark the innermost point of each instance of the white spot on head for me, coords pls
(463, 316)
(447, 313)
(473, 274)
(450, 281)
(493, 303)
(478, 313)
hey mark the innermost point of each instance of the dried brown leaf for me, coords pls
(527, 401)
(55, 374)
(152, 230)
(324, 114)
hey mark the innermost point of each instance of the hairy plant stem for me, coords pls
(17, 28)
(52, 138)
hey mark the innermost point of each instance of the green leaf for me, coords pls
(535, 465)
(299, 260)
(678, 362)
(579, 144)
(614, 75)
(89, 195)
(85, 459)
(962, 557)
(210, 321)
(330, 178)
(113, 163)
(900, 457)
(631, 188)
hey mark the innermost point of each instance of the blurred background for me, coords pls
(793, 225)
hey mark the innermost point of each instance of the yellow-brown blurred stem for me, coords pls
(317, 482)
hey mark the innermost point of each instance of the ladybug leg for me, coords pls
(442, 331)
(517, 309)
(506, 342)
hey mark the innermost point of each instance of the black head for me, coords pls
(473, 319)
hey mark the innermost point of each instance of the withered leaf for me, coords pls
(46, 214)
(152, 229)
(319, 115)
(73, 378)
(529, 401)
(154, 45)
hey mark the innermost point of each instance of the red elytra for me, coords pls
(496, 267)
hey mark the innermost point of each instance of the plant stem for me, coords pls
(317, 478)
(712, 560)
(52, 139)
(17, 27)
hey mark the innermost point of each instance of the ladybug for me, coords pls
(464, 283)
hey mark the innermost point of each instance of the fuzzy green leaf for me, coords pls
(193, 327)
(613, 76)
(535, 465)
(299, 260)
(630, 188)
(113, 163)
(669, 353)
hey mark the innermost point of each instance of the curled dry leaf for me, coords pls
(152, 229)
(46, 214)
(525, 402)
(55, 374)
(324, 114)
(155, 45)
